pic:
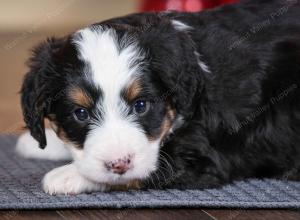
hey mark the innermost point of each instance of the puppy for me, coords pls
(168, 100)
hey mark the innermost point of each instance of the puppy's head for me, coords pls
(113, 93)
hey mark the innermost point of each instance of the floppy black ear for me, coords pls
(174, 62)
(36, 89)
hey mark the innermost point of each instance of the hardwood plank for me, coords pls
(109, 214)
(32, 215)
(140, 214)
(246, 214)
(147, 214)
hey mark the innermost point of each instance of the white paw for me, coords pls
(67, 180)
(28, 147)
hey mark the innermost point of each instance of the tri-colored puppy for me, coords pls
(169, 100)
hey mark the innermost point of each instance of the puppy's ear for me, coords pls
(173, 60)
(36, 88)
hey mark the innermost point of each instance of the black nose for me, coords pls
(119, 166)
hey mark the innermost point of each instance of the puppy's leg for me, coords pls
(28, 147)
(67, 180)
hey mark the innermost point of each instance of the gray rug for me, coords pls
(20, 188)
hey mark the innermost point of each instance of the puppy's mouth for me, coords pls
(120, 178)
(123, 182)
(126, 178)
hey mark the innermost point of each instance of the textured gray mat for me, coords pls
(20, 188)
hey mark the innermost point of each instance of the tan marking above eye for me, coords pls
(133, 91)
(80, 97)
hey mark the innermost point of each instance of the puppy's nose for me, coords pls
(119, 166)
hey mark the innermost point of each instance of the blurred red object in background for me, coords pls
(182, 5)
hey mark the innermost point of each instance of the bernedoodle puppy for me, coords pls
(168, 100)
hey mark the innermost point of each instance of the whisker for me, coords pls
(162, 173)
(159, 183)
(151, 178)
(171, 171)
(169, 157)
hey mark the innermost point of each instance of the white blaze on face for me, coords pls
(117, 135)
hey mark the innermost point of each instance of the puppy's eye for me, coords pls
(81, 114)
(141, 107)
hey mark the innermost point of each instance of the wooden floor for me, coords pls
(147, 214)
(14, 49)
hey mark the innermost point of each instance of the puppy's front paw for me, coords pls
(67, 180)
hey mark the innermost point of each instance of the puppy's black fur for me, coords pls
(241, 116)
